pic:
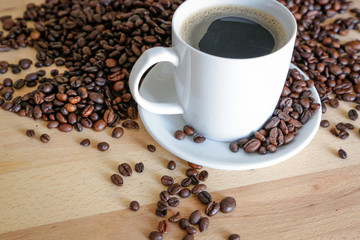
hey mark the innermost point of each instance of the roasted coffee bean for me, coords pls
(349, 126)
(163, 226)
(45, 138)
(188, 237)
(125, 169)
(173, 201)
(19, 83)
(175, 218)
(7, 82)
(194, 180)
(191, 230)
(199, 139)
(195, 217)
(161, 212)
(198, 189)
(184, 193)
(117, 132)
(30, 133)
(204, 197)
(252, 146)
(353, 115)
(341, 126)
(188, 130)
(186, 182)
(130, 124)
(191, 172)
(342, 153)
(179, 135)
(103, 146)
(139, 167)
(151, 148)
(134, 205)
(204, 224)
(203, 175)
(227, 205)
(99, 125)
(64, 127)
(324, 123)
(85, 142)
(117, 180)
(25, 63)
(184, 223)
(31, 77)
(167, 180)
(171, 165)
(155, 236)
(174, 189)
(234, 146)
(212, 208)
(194, 166)
(234, 237)
(164, 196)
(162, 204)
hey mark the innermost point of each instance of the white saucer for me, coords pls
(158, 86)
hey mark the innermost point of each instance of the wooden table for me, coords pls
(62, 190)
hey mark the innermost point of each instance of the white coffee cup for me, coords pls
(221, 98)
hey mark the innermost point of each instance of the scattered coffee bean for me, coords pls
(227, 205)
(25, 63)
(204, 224)
(186, 182)
(103, 146)
(349, 126)
(45, 138)
(134, 205)
(195, 217)
(85, 142)
(191, 172)
(342, 153)
(175, 218)
(353, 115)
(161, 212)
(130, 124)
(194, 166)
(30, 133)
(173, 201)
(162, 204)
(194, 180)
(234, 237)
(117, 132)
(324, 123)
(139, 167)
(155, 236)
(234, 146)
(151, 148)
(163, 226)
(188, 237)
(117, 180)
(203, 175)
(174, 189)
(167, 180)
(198, 188)
(199, 139)
(191, 230)
(188, 130)
(204, 197)
(179, 135)
(164, 196)
(212, 208)
(184, 193)
(125, 169)
(184, 223)
(171, 165)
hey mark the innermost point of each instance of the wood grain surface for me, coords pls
(61, 190)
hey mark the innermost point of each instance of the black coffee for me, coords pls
(237, 37)
(233, 32)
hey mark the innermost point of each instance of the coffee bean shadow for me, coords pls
(334, 151)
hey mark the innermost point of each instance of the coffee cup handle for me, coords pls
(146, 60)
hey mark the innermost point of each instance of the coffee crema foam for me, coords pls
(196, 25)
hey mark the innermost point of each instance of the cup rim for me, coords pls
(289, 40)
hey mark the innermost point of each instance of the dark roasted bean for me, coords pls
(184, 193)
(186, 182)
(342, 153)
(188, 130)
(198, 188)
(161, 212)
(117, 180)
(203, 175)
(199, 139)
(125, 169)
(191, 230)
(139, 167)
(151, 148)
(324, 123)
(103, 146)
(179, 135)
(164, 196)
(234, 146)
(130, 124)
(188, 237)
(45, 138)
(163, 226)
(227, 205)
(204, 197)
(173, 201)
(175, 218)
(171, 165)
(155, 236)
(353, 115)
(174, 189)
(167, 180)
(212, 208)
(85, 142)
(204, 224)
(30, 133)
(195, 217)
(234, 237)
(184, 223)
(134, 205)
(117, 132)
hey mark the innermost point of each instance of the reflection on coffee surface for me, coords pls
(233, 32)
(237, 37)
